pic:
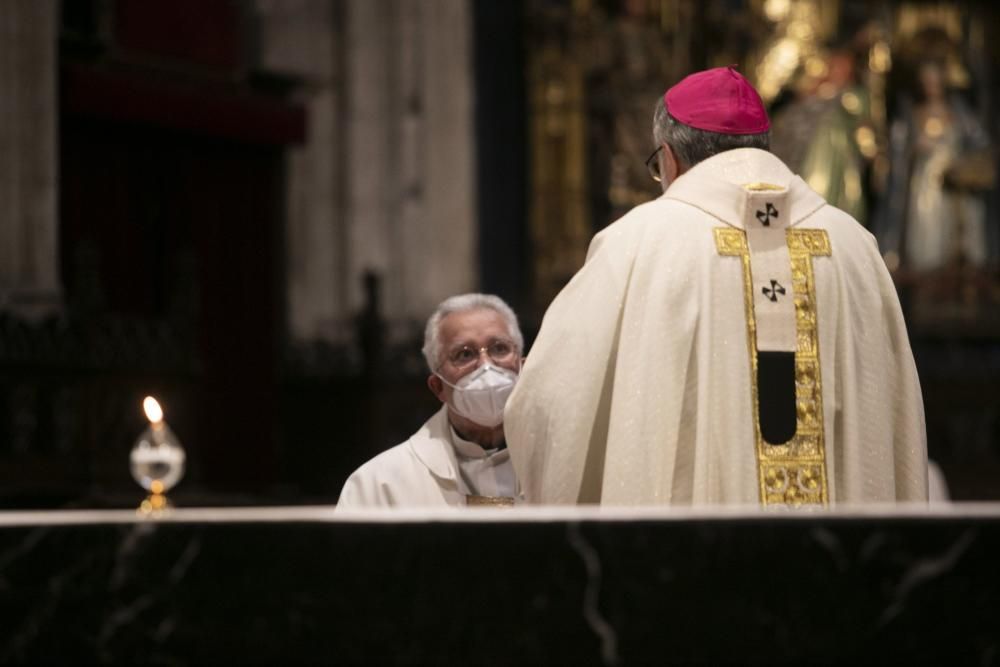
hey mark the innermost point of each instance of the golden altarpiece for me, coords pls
(831, 71)
(840, 79)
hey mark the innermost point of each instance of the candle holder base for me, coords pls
(154, 505)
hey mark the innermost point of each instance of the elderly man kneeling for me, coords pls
(473, 347)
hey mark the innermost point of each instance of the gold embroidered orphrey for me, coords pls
(489, 501)
(794, 472)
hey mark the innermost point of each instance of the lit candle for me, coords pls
(157, 459)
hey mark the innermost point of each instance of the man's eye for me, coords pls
(465, 354)
(500, 349)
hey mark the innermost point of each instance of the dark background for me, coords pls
(172, 150)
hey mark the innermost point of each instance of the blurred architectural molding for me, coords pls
(29, 239)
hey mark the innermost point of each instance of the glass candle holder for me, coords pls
(156, 460)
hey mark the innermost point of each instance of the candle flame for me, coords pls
(154, 413)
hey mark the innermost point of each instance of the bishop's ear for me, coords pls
(670, 166)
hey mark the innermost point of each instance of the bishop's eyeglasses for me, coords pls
(653, 165)
(499, 350)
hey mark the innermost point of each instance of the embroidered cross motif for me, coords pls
(766, 215)
(774, 290)
(793, 473)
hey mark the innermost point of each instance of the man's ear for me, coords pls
(436, 386)
(671, 165)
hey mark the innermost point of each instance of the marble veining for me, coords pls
(925, 569)
(785, 588)
(591, 596)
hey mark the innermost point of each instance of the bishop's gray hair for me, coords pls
(691, 145)
(460, 304)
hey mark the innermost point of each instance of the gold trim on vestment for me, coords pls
(762, 187)
(794, 472)
(489, 501)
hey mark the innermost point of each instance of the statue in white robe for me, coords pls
(736, 341)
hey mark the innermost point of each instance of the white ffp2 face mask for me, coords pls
(481, 395)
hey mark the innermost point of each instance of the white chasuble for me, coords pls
(736, 341)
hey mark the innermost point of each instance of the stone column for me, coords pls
(29, 240)
(371, 151)
(301, 38)
(442, 259)
(386, 181)
(410, 172)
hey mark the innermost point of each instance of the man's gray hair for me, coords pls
(691, 145)
(460, 304)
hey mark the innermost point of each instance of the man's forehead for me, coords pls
(473, 324)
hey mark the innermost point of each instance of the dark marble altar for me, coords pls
(280, 586)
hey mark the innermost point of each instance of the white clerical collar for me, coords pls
(471, 450)
(719, 184)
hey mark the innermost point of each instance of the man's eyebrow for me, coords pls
(472, 343)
